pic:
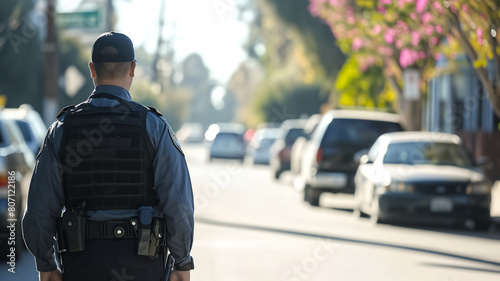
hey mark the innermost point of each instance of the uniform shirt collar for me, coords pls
(113, 90)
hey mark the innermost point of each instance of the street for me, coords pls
(251, 227)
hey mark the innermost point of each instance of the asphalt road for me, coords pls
(251, 227)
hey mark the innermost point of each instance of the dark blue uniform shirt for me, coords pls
(171, 179)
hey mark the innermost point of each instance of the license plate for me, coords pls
(441, 205)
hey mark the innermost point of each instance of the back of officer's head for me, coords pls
(112, 55)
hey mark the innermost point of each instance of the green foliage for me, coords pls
(314, 34)
(277, 104)
(366, 89)
(173, 103)
(20, 54)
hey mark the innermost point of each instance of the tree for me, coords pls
(400, 34)
(20, 54)
(363, 89)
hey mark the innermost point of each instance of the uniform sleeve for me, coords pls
(45, 203)
(174, 190)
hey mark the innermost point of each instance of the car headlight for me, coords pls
(483, 187)
(399, 187)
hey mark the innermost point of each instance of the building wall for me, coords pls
(457, 103)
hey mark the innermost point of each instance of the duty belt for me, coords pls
(125, 229)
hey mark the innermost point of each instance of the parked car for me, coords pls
(328, 165)
(228, 142)
(422, 177)
(191, 133)
(16, 165)
(281, 150)
(300, 145)
(30, 124)
(260, 146)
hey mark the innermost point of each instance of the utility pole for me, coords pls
(51, 94)
(159, 45)
(110, 15)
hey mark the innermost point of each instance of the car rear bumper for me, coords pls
(442, 209)
(335, 182)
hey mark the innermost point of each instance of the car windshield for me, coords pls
(424, 153)
(293, 134)
(228, 137)
(357, 131)
(25, 129)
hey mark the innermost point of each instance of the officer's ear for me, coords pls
(133, 64)
(92, 70)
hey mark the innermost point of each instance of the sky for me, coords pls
(207, 27)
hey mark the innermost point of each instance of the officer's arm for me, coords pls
(177, 275)
(45, 202)
(54, 275)
(175, 193)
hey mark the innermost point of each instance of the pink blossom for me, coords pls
(337, 3)
(434, 41)
(381, 9)
(429, 29)
(402, 25)
(427, 17)
(401, 4)
(439, 29)
(421, 55)
(313, 9)
(479, 33)
(413, 16)
(438, 7)
(465, 8)
(357, 43)
(376, 29)
(385, 2)
(399, 44)
(385, 51)
(389, 35)
(415, 38)
(351, 20)
(407, 57)
(420, 5)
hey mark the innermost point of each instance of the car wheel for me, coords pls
(374, 214)
(483, 226)
(357, 212)
(312, 196)
(277, 174)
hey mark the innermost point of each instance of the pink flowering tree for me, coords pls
(400, 34)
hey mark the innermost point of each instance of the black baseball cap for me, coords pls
(113, 47)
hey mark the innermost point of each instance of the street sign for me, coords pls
(411, 80)
(81, 20)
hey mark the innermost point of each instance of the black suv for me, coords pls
(329, 162)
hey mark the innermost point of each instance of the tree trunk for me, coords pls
(410, 110)
(488, 82)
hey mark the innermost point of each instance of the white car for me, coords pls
(423, 177)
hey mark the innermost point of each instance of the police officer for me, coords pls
(110, 183)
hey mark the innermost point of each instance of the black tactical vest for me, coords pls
(107, 157)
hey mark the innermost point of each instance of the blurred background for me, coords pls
(277, 103)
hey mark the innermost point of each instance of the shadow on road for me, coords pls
(459, 267)
(492, 234)
(343, 239)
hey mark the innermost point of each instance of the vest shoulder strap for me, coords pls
(61, 113)
(155, 111)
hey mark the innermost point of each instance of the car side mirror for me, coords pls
(365, 160)
(357, 156)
